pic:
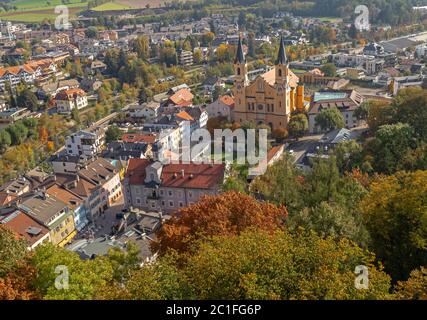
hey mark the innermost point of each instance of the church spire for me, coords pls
(240, 56)
(281, 57)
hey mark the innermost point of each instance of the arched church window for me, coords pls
(238, 71)
(260, 85)
(280, 72)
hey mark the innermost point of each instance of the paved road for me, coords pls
(309, 142)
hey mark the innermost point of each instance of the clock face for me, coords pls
(280, 88)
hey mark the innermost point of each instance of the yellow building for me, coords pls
(271, 97)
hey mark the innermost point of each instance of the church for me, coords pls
(271, 97)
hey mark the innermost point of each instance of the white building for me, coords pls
(148, 111)
(68, 100)
(421, 50)
(84, 143)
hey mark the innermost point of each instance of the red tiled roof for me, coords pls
(69, 94)
(196, 176)
(136, 170)
(132, 138)
(20, 224)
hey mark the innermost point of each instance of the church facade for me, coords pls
(271, 97)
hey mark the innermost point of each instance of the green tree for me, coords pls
(330, 119)
(12, 250)
(113, 133)
(5, 140)
(85, 277)
(395, 213)
(329, 70)
(18, 132)
(298, 125)
(27, 99)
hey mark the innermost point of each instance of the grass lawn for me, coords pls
(26, 5)
(110, 6)
(330, 19)
(29, 17)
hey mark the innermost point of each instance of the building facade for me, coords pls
(270, 98)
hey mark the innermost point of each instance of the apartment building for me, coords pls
(346, 101)
(166, 188)
(70, 99)
(85, 143)
(186, 58)
(52, 213)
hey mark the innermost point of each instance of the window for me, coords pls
(171, 204)
(181, 204)
(238, 71)
(170, 193)
(280, 72)
(190, 194)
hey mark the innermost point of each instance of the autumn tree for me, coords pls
(395, 211)
(12, 250)
(415, 288)
(281, 265)
(226, 214)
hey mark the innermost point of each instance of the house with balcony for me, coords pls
(84, 143)
(70, 99)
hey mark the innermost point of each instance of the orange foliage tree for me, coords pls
(227, 214)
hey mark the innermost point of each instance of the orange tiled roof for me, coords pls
(182, 97)
(16, 70)
(227, 100)
(69, 94)
(184, 115)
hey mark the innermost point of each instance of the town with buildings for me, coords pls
(89, 113)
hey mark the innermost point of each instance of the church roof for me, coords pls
(281, 57)
(240, 56)
(270, 77)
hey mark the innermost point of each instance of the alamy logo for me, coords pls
(239, 146)
(362, 280)
(62, 20)
(362, 20)
(62, 280)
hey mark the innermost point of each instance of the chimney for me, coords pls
(182, 173)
